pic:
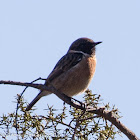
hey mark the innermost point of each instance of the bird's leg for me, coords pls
(83, 105)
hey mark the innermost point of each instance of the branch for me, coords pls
(43, 87)
(99, 111)
(109, 116)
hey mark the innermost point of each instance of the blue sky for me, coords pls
(34, 35)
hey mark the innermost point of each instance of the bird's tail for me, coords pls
(41, 94)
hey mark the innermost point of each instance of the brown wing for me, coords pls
(64, 64)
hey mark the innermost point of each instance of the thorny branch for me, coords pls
(108, 115)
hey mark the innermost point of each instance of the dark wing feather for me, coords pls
(64, 64)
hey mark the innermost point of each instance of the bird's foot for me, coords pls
(83, 105)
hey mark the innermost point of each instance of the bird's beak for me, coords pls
(96, 43)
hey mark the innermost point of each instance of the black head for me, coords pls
(85, 45)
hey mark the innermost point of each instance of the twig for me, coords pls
(57, 121)
(77, 125)
(89, 118)
(18, 101)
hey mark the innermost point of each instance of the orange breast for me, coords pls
(77, 79)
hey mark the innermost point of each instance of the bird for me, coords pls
(74, 71)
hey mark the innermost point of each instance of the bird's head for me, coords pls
(85, 45)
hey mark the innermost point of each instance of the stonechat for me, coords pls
(74, 71)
